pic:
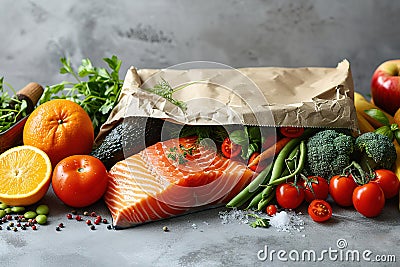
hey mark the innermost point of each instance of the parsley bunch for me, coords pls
(12, 109)
(97, 94)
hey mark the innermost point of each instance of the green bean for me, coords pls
(254, 202)
(290, 162)
(279, 164)
(264, 203)
(299, 168)
(42, 210)
(254, 186)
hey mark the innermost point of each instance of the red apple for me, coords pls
(385, 86)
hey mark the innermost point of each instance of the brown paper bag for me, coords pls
(265, 96)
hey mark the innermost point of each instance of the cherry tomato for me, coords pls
(291, 132)
(271, 210)
(79, 180)
(388, 181)
(229, 149)
(320, 210)
(315, 187)
(289, 195)
(341, 189)
(369, 199)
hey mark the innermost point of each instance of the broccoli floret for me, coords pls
(328, 153)
(375, 150)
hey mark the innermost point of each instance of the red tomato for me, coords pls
(271, 210)
(341, 189)
(291, 132)
(289, 195)
(315, 187)
(369, 199)
(388, 181)
(229, 149)
(320, 210)
(79, 180)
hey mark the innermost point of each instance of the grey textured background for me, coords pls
(157, 34)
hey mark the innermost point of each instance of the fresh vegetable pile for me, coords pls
(356, 170)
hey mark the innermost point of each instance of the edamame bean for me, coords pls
(2, 213)
(42, 210)
(41, 219)
(3, 206)
(30, 215)
(7, 210)
(17, 209)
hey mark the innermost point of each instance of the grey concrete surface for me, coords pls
(200, 239)
(157, 34)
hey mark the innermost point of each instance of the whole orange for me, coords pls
(60, 128)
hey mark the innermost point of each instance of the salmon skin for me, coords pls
(171, 178)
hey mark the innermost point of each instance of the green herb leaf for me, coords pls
(378, 115)
(97, 95)
(259, 222)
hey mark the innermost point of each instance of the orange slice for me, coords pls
(25, 175)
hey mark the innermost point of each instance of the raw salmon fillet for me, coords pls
(171, 178)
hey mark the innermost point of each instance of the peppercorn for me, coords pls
(69, 216)
(61, 225)
(97, 221)
(58, 229)
(109, 227)
(165, 229)
(78, 218)
(85, 213)
(11, 224)
(8, 228)
(93, 214)
(1, 228)
(15, 229)
(23, 227)
(34, 227)
(92, 227)
(105, 221)
(74, 212)
(88, 222)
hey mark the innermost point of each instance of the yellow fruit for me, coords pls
(363, 104)
(363, 124)
(25, 175)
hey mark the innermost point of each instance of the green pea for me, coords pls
(7, 210)
(3, 206)
(2, 213)
(42, 210)
(30, 215)
(17, 209)
(41, 219)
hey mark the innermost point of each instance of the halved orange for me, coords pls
(25, 175)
